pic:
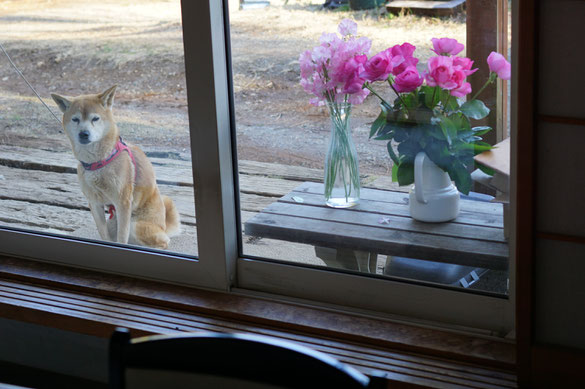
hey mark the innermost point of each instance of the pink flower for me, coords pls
(462, 90)
(402, 57)
(464, 64)
(447, 46)
(498, 64)
(353, 83)
(450, 73)
(347, 27)
(440, 72)
(408, 80)
(378, 67)
(331, 71)
(307, 65)
(358, 97)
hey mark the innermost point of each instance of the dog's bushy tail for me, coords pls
(173, 221)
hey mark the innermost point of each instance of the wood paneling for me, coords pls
(287, 317)
(96, 315)
(557, 367)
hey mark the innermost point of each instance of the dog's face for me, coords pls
(87, 119)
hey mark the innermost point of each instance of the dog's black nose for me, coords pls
(84, 137)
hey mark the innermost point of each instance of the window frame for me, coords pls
(211, 119)
(212, 175)
(423, 303)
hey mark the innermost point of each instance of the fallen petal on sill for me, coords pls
(384, 220)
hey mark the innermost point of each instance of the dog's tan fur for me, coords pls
(142, 215)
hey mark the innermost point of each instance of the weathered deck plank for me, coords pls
(268, 179)
(39, 191)
(62, 190)
(46, 217)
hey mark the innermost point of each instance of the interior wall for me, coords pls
(559, 283)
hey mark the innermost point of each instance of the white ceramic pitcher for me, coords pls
(433, 198)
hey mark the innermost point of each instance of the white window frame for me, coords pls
(205, 26)
(207, 93)
(371, 295)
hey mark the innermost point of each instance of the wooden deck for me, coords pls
(39, 191)
(426, 7)
(381, 224)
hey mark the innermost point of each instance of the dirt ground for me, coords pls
(75, 47)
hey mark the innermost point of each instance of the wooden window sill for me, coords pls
(94, 303)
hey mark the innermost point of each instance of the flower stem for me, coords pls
(447, 102)
(341, 163)
(489, 81)
(398, 94)
(375, 94)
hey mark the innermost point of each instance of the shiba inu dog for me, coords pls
(116, 176)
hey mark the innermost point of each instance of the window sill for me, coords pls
(94, 303)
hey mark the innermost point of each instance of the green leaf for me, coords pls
(385, 136)
(475, 109)
(400, 134)
(378, 123)
(452, 103)
(436, 133)
(485, 169)
(410, 100)
(439, 153)
(409, 149)
(394, 173)
(405, 174)
(479, 147)
(449, 129)
(392, 154)
(461, 177)
(432, 96)
(481, 130)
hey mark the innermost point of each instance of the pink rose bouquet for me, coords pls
(429, 113)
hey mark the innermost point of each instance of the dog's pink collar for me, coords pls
(120, 146)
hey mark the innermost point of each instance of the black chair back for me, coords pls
(249, 360)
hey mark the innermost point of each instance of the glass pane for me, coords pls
(319, 184)
(133, 140)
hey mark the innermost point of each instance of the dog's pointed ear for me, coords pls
(107, 97)
(62, 102)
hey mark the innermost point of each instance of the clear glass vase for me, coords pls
(342, 177)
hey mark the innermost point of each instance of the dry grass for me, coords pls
(305, 20)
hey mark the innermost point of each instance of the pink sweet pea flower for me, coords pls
(447, 46)
(331, 71)
(402, 57)
(347, 27)
(307, 65)
(408, 80)
(353, 83)
(498, 64)
(358, 97)
(378, 67)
